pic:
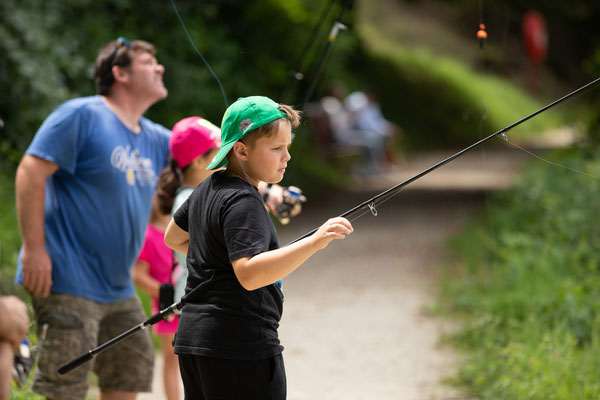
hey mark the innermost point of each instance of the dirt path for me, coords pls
(355, 323)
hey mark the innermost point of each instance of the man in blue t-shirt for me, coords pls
(84, 190)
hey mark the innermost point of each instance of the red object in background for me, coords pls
(535, 36)
(481, 35)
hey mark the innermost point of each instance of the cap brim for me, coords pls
(220, 160)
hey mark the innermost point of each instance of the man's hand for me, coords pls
(273, 198)
(37, 271)
(276, 195)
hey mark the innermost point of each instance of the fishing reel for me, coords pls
(22, 364)
(25, 359)
(292, 201)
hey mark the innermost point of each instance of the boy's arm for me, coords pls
(265, 268)
(176, 238)
(30, 188)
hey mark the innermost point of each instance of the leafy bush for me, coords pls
(48, 48)
(528, 290)
(441, 101)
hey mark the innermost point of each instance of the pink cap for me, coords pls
(192, 137)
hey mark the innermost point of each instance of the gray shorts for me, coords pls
(77, 325)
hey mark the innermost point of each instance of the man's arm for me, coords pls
(30, 185)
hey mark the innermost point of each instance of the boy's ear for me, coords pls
(241, 151)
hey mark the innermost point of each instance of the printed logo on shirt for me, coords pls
(136, 168)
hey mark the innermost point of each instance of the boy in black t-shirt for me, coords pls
(227, 338)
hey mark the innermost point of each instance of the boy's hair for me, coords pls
(118, 52)
(268, 130)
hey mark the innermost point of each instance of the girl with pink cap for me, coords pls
(193, 143)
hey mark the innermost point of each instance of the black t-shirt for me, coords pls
(226, 220)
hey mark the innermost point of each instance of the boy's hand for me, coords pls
(334, 228)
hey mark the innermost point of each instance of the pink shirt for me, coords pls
(160, 258)
(156, 253)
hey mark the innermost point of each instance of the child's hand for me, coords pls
(334, 228)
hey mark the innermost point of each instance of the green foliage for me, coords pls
(529, 288)
(48, 49)
(9, 233)
(440, 101)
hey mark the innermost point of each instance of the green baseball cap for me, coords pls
(246, 114)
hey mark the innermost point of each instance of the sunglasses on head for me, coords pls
(121, 42)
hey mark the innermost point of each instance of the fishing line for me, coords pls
(570, 99)
(372, 208)
(199, 53)
(552, 162)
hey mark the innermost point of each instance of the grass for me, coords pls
(481, 98)
(10, 238)
(528, 289)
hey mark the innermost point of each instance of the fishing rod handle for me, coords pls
(105, 346)
(76, 362)
(163, 314)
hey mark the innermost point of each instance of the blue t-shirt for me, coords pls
(98, 202)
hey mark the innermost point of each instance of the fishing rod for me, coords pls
(337, 26)
(85, 357)
(298, 66)
(159, 316)
(372, 202)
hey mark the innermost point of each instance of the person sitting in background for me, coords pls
(342, 124)
(367, 117)
(14, 325)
